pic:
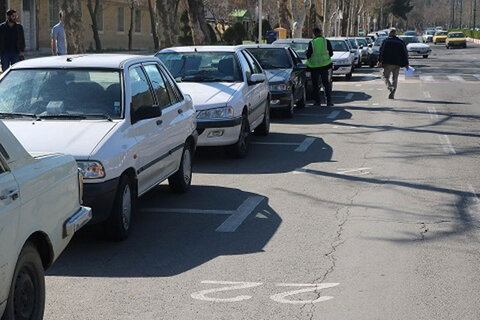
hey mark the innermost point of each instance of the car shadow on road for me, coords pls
(277, 153)
(164, 244)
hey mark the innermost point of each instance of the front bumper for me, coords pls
(441, 40)
(218, 132)
(280, 99)
(457, 43)
(419, 53)
(100, 197)
(341, 69)
(77, 221)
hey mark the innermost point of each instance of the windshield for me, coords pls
(300, 49)
(353, 43)
(272, 58)
(202, 66)
(53, 92)
(410, 33)
(456, 35)
(430, 33)
(441, 33)
(362, 42)
(379, 42)
(339, 45)
(408, 40)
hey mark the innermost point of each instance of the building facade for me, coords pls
(113, 20)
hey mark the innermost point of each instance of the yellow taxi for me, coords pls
(440, 37)
(456, 39)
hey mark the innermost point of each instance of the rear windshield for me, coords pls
(379, 41)
(202, 66)
(272, 58)
(408, 40)
(339, 45)
(353, 43)
(362, 42)
(50, 92)
(456, 35)
(300, 49)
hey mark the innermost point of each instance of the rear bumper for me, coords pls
(100, 197)
(77, 221)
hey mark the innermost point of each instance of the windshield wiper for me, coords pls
(99, 115)
(63, 116)
(17, 115)
(203, 79)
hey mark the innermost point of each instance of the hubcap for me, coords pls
(126, 207)
(24, 296)
(187, 166)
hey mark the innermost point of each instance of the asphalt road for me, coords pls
(367, 210)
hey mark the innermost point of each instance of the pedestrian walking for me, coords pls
(393, 56)
(59, 43)
(319, 63)
(12, 41)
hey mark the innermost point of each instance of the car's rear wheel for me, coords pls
(181, 180)
(240, 148)
(348, 76)
(425, 56)
(26, 299)
(119, 223)
(264, 128)
(288, 111)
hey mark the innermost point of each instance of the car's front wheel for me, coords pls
(119, 223)
(181, 180)
(26, 298)
(240, 148)
(348, 76)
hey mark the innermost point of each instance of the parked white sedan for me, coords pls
(229, 90)
(343, 57)
(415, 48)
(122, 117)
(40, 210)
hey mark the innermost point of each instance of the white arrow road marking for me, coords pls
(474, 207)
(280, 297)
(427, 94)
(446, 144)
(305, 144)
(433, 112)
(349, 96)
(236, 219)
(201, 295)
(456, 78)
(477, 76)
(333, 115)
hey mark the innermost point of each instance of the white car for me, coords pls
(343, 57)
(122, 117)
(428, 36)
(415, 48)
(229, 90)
(358, 51)
(40, 210)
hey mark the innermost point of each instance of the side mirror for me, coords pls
(256, 78)
(353, 51)
(301, 66)
(146, 112)
(361, 46)
(370, 45)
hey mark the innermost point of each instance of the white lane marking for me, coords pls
(379, 89)
(276, 143)
(456, 78)
(446, 144)
(236, 219)
(475, 206)
(433, 112)
(280, 297)
(349, 96)
(427, 94)
(305, 144)
(376, 104)
(358, 85)
(355, 172)
(202, 295)
(426, 78)
(186, 211)
(333, 114)
(477, 76)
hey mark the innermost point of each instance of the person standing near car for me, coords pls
(12, 41)
(319, 63)
(393, 56)
(59, 44)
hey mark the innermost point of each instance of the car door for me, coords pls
(152, 148)
(173, 120)
(298, 75)
(260, 90)
(249, 90)
(10, 210)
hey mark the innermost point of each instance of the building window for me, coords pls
(53, 10)
(138, 21)
(121, 19)
(100, 18)
(26, 5)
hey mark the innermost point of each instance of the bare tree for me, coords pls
(93, 10)
(284, 15)
(131, 6)
(153, 24)
(299, 13)
(167, 13)
(196, 14)
(74, 32)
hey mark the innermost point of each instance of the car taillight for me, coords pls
(80, 186)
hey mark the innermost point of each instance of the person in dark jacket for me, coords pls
(12, 41)
(319, 63)
(393, 56)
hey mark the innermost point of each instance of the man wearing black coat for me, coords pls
(393, 56)
(12, 41)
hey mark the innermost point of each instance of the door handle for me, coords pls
(13, 194)
(159, 122)
(180, 111)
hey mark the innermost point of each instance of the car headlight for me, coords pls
(216, 113)
(91, 169)
(280, 87)
(342, 61)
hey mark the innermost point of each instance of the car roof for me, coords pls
(260, 46)
(107, 61)
(201, 49)
(293, 40)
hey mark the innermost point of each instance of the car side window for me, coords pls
(244, 63)
(295, 58)
(140, 89)
(175, 93)
(252, 62)
(159, 86)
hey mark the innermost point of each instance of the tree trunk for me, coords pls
(299, 15)
(130, 30)
(74, 31)
(93, 15)
(284, 16)
(198, 24)
(167, 22)
(153, 25)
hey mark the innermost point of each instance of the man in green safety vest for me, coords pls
(319, 62)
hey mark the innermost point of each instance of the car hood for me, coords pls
(78, 138)
(337, 55)
(278, 75)
(411, 46)
(209, 94)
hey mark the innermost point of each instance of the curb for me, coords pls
(477, 41)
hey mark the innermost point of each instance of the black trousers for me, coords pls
(317, 75)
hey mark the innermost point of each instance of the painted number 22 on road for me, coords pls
(206, 295)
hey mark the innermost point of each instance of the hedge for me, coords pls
(469, 33)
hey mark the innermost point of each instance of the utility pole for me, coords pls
(260, 13)
(474, 14)
(452, 22)
(461, 12)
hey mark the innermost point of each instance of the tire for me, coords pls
(359, 64)
(264, 128)
(348, 76)
(119, 222)
(240, 148)
(26, 299)
(371, 64)
(288, 112)
(425, 56)
(181, 180)
(302, 102)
